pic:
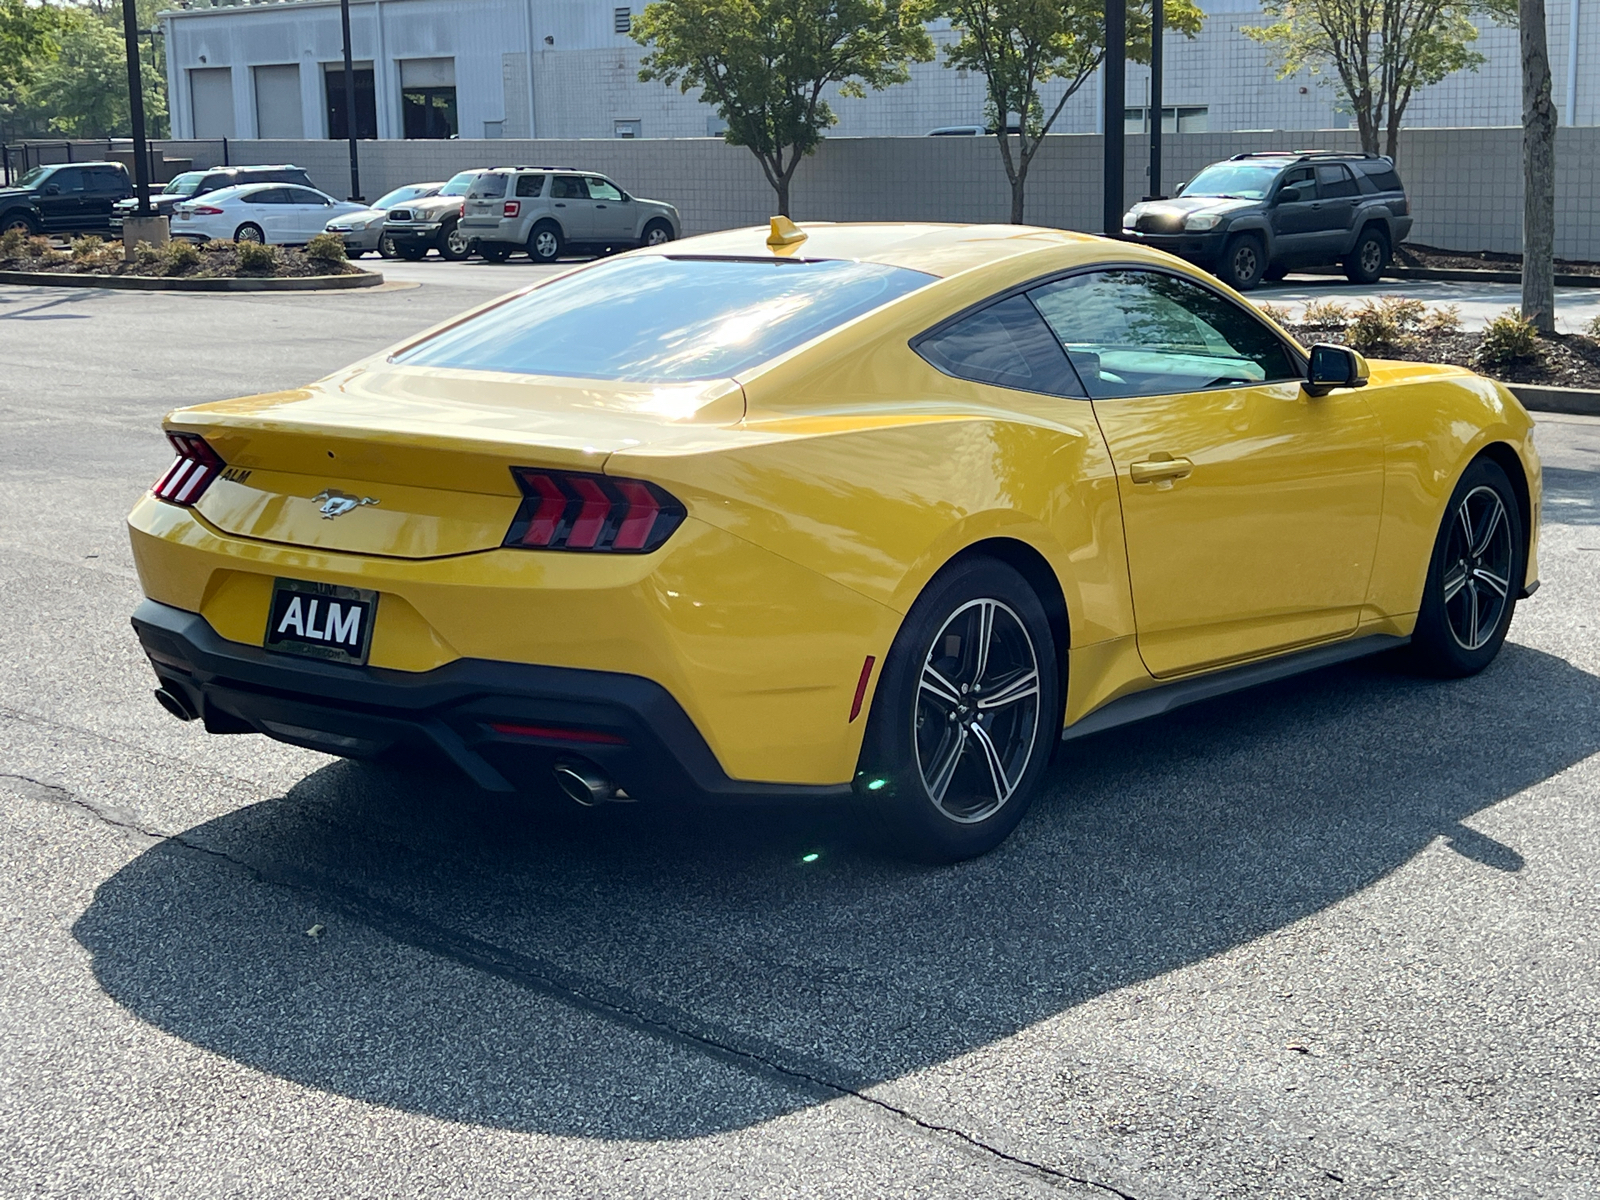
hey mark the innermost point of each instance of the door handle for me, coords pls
(1157, 470)
(558, 204)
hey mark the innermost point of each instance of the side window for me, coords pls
(529, 185)
(1296, 176)
(567, 187)
(299, 195)
(1386, 180)
(268, 196)
(68, 179)
(106, 179)
(211, 183)
(1333, 182)
(1143, 333)
(1006, 344)
(603, 189)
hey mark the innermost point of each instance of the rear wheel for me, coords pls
(454, 245)
(1244, 261)
(1475, 576)
(249, 232)
(494, 251)
(544, 243)
(1370, 255)
(963, 719)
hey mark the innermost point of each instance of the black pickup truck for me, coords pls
(65, 198)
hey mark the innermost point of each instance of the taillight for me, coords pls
(205, 210)
(188, 478)
(512, 208)
(571, 510)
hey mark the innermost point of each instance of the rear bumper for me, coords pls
(630, 726)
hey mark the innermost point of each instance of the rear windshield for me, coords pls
(491, 187)
(666, 320)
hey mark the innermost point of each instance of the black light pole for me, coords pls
(1115, 104)
(1157, 110)
(349, 99)
(141, 149)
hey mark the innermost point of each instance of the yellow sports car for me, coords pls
(807, 511)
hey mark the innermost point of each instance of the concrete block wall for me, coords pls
(1465, 184)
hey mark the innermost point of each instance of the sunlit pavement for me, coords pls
(1331, 938)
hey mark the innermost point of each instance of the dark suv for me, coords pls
(197, 183)
(64, 198)
(1259, 216)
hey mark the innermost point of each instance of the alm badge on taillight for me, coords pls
(197, 467)
(573, 510)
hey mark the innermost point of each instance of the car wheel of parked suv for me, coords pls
(410, 252)
(1244, 261)
(657, 233)
(249, 233)
(494, 251)
(544, 243)
(22, 222)
(1370, 255)
(454, 246)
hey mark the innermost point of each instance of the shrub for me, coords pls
(14, 244)
(1508, 340)
(145, 255)
(87, 248)
(178, 256)
(1281, 313)
(41, 247)
(1593, 328)
(1325, 314)
(1387, 323)
(326, 248)
(218, 246)
(1441, 321)
(257, 256)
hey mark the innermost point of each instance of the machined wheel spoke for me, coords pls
(935, 683)
(1472, 620)
(1455, 581)
(1003, 787)
(1020, 688)
(1496, 514)
(1500, 586)
(985, 633)
(951, 747)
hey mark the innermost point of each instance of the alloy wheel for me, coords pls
(545, 244)
(977, 711)
(657, 237)
(1371, 256)
(1479, 556)
(457, 243)
(1245, 262)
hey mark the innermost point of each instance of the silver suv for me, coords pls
(550, 211)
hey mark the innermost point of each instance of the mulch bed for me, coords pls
(1410, 254)
(1565, 360)
(217, 261)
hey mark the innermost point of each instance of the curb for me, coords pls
(1454, 275)
(1582, 402)
(156, 283)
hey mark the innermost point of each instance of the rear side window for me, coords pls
(489, 187)
(106, 179)
(568, 187)
(1006, 344)
(1334, 182)
(666, 320)
(269, 196)
(529, 185)
(1385, 180)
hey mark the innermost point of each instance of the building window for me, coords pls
(366, 103)
(627, 129)
(622, 19)
(1174, 119)
(428, 97)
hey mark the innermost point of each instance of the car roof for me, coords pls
(941, 250)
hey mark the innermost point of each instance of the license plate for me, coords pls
(321, 620)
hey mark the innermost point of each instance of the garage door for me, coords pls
(278, 113)
(211, 90)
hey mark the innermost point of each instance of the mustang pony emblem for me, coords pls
(336, 503)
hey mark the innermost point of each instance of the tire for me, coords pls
(386, 247)
(1473, 583)
(545, 242)
(943, 778)
(410, 251)
(1244, 261)
(494, 251)
(1276, 273)
(1369, 256)
(453, 245)
(249, 232)
(19, 220)
(656, 233)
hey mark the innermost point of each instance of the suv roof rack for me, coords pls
(1299, 155)
(525, 167)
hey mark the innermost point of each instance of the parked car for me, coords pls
(363, 230)
(871, 512)
(549, 210)
(277, 213)
(433, 223)
(1260, 215)
(192, 184)
(65, 198)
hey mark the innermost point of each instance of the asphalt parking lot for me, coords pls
(1331, 938)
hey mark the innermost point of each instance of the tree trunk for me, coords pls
(1538, 171)
(1017, 187)
(782, 188)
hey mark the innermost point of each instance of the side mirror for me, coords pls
(1334, 367)
(1297, 193)
(1179, 190)
(52, 189)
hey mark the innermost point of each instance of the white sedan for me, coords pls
(282, 214)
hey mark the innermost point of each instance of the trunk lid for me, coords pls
(416, 462)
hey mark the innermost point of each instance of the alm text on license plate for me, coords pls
(321, 620)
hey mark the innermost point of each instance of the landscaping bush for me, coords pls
(217, 246)
(1281, 313)
(1441, 321)
(177, 256)
(257, 256)
(14, 244)
(145, 255)
(1508, 340)
(327, 248)
(95, 253)
(1325, 314)
(1593, 328)
(1387, 323)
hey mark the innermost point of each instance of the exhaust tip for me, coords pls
(585, 783)
(176, 704)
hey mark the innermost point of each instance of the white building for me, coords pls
(442, 68)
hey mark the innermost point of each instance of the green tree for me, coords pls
(1380, 51)
(27, 34)
(84, 89)
(1019, 45)
(765, 64)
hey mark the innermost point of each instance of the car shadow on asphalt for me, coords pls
(639, 972)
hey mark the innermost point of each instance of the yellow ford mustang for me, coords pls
(888, 509)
